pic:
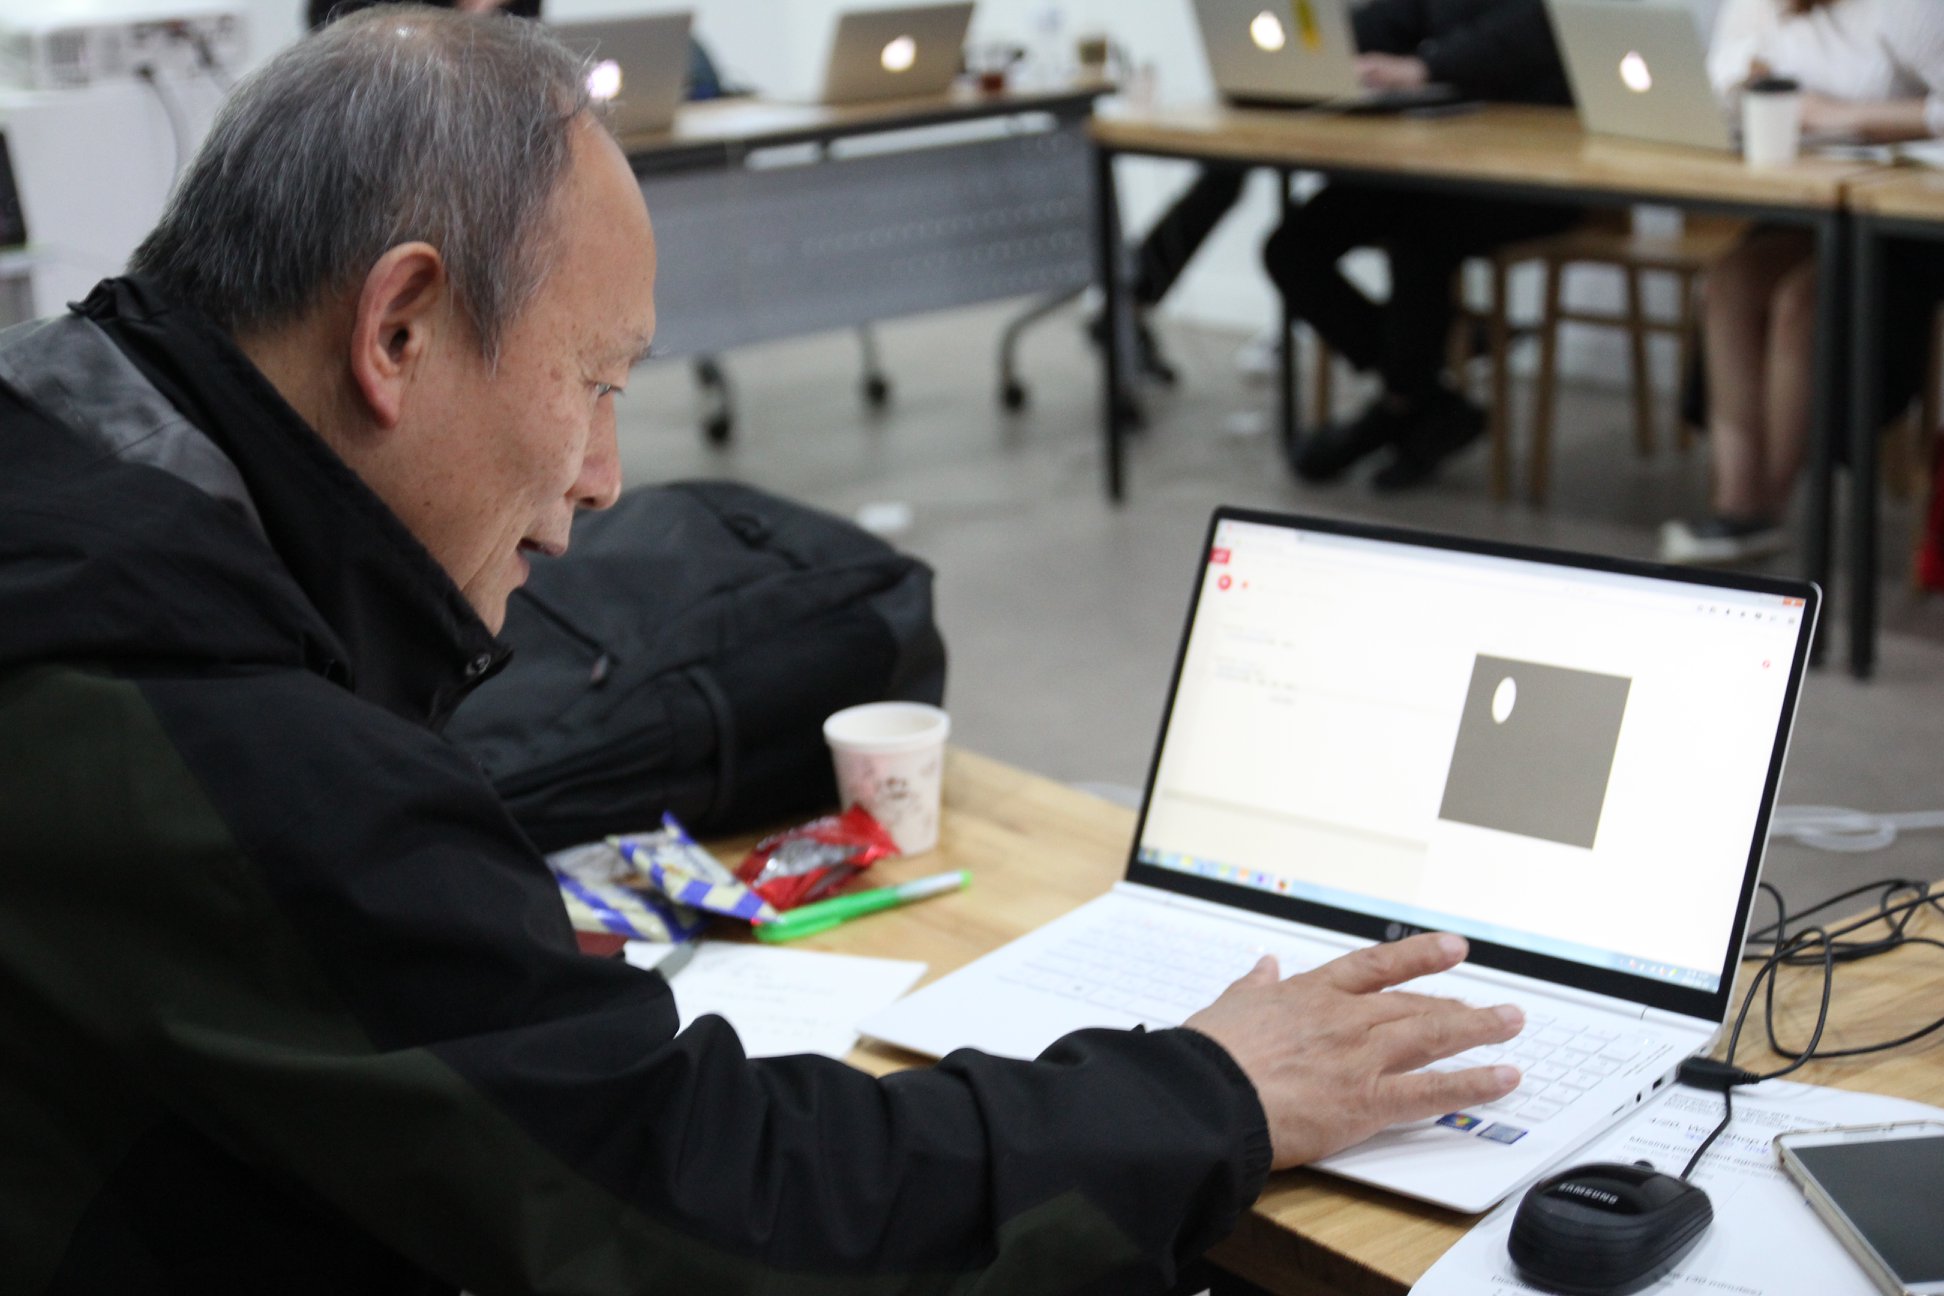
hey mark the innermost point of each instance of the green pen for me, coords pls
(825, 914)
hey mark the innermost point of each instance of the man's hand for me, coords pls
(1334, 1061)
(1391, 72)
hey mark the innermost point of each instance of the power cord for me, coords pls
(178, 130)
(1850, 832)
(1815, 945)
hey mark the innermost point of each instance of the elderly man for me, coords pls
(290, 1005)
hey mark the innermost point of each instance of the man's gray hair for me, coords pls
(398, 124)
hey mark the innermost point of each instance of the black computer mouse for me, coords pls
(1605, 1229)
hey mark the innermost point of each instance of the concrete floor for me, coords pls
(1062, 613)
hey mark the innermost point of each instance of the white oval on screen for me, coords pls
(1504, 698)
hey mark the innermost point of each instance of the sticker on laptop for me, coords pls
(1502, 1133)
(1461, 1122)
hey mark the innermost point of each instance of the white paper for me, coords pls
(784, 1001)
(1764, 1238)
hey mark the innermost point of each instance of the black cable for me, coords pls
(1728, 1114)
(207, 61)
(178, 132)
(1804, 947)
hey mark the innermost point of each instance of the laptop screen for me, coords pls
(1570, 761)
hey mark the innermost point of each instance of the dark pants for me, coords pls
(1175, 238)
(1426, 237)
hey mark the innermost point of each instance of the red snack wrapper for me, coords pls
(806, 863)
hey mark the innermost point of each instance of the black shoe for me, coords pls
(1325, 454)
(1445, 424)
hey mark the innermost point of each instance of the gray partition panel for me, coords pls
(753, 252)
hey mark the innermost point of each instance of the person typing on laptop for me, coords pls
(292, 1004)
(1484, 49)
(1869, 70)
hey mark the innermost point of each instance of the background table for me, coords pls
(1036, 849)
(779, 219)
(1499, 151)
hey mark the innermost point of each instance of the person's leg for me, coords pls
(1790, 388)
(1738, 306)
(1170, 244)
(1435, 238)
(1302, 259)
(1174, 239)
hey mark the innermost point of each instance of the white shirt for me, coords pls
(1859, 50)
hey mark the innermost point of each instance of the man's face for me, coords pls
(504, 456)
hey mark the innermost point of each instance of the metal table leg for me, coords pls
(1831, 365)
(1866, 413)
(1107, 238)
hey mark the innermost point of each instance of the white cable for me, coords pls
(1845, 831)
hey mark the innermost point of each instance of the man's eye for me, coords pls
(602, 389)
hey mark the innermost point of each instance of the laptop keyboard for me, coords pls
(1157, 971)
(1562, 1059)
(1163, 972)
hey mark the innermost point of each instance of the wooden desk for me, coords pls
(1037, 849)
(1902, 204)
(1501, 151)
(776, 220)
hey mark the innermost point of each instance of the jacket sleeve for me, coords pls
(391, 1012)
(1390, 26)
(1506, 53)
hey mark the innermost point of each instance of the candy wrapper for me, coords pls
(681, 870)
(604, 893)
(805, 863)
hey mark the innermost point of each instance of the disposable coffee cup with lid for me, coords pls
(1771, 121)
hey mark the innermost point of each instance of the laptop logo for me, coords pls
(604, 81)
(1635, 74)
(1266, 30)
(899, 54)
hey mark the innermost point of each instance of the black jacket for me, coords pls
(290, 1005)
(1488, 49)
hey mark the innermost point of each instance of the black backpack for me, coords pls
(683, 656)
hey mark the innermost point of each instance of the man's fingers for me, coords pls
(1409, 1042)
(1382, 966)
(1265, 972)
(1422, 1094)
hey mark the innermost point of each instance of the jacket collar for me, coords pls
(415, 646)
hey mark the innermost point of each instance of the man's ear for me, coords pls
(399, 309)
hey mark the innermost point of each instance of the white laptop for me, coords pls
(1639, 69)
(637, 67)
(1570, 760)
(1293, 52)
(897, 53)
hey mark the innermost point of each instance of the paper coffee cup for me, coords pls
(890, 759)
(1771, 122)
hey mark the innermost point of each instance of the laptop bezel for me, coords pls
(1705, 1005)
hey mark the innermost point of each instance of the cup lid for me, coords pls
(1774, 85)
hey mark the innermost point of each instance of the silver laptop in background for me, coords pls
(899, 53)
(1260, 51)
(638, 67)
(1639, 70)
(1569, 760)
